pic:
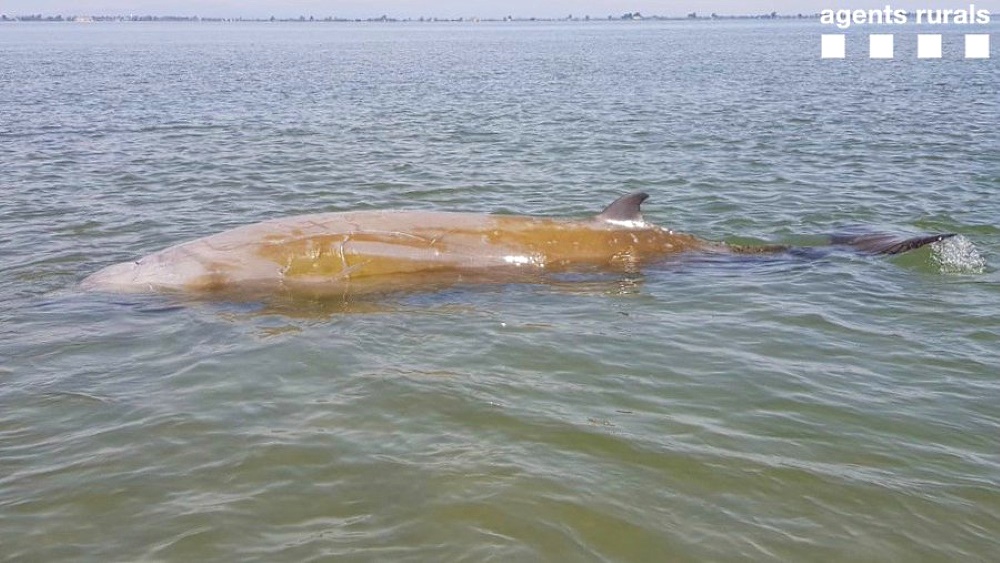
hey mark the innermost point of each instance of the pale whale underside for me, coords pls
(372, 251)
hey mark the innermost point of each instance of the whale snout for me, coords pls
(171, 270)
(117, 277)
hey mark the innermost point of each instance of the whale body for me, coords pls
(364, 251)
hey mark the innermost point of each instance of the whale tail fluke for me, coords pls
(869, 243)
(881, 243)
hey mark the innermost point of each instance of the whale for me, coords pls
(357, 252)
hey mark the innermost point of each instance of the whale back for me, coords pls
(379, 244)
(371, 248)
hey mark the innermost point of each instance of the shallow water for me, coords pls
(843, 408)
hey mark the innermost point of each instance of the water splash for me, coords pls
(958, 255)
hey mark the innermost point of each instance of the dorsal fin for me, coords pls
(625, 208)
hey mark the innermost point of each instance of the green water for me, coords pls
(841, 408)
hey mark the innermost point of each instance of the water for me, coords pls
(843, 408)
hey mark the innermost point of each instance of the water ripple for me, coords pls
(785, 407)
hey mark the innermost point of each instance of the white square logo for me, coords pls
(832, 46)
(977, 46)
(928, 46)
(880, 46)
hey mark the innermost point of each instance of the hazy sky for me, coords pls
(456, 8)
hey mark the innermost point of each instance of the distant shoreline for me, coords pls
(636, 16)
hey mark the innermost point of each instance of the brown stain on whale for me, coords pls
(347, 255)
(560, 244)
(496, 241)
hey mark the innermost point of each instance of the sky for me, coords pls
(458, 8)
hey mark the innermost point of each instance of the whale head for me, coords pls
(162, 271)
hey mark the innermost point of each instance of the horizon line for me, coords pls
(627, 16)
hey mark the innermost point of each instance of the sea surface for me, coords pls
(834, 408)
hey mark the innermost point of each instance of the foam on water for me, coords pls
(958, 255)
